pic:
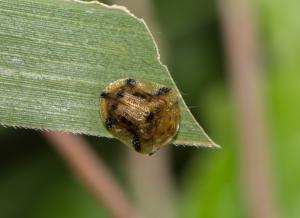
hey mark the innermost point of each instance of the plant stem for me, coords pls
(244, 65)
(92, 172)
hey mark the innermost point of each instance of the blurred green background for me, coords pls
(35, 182)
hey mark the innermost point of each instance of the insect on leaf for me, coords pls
(57, 56)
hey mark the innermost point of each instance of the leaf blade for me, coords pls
(56, 57)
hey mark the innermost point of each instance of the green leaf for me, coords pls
(56, 56)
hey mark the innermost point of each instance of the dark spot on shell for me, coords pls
(150, 117)
(120, 94)
(109, 123)
(136, 143)
(139, 95)
(131, 83)
(157, 109)
(126, 121)
(104, 95)
(163, 91)
(114, 107)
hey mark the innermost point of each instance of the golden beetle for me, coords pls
(144, 115)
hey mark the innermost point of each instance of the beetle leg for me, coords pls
(136, 143)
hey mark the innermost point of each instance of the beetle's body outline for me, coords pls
(142, 114)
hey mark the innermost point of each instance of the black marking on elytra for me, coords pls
(120, 94)
(114, 107)
(109, 123)
(162, 133)
(157, 109)
(136, 143)
(130, 83)
(104, 95)
(139, 95)
(150, 117)
(126, 121)
(132, 128)
(163, 91)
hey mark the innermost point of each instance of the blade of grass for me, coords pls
(56, 57)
